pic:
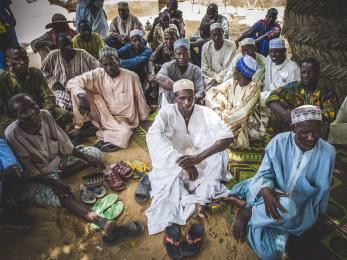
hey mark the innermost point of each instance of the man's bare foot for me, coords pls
(199, 212)
(239, 226)
(236, 201)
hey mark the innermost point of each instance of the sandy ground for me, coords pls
(56, 234)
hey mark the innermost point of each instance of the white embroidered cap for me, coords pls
(136, 32)
(305, 113)
(183, 84)
(247, 41)
(215, 26)
(277, 43)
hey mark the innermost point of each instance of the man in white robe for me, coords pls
(279, 69)
(187, 144)
(112, 99)
(216, 56)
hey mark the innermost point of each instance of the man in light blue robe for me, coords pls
(290, 189)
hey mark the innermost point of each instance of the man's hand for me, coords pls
(59, 188)
(93, 162)
(188, 161)
(84, 106)
(192, 173)
(272, 205)
(287, 117)
(10, 173)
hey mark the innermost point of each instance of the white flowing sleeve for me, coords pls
(160, 147)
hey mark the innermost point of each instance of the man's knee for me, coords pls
(62, 117)
(290, 207)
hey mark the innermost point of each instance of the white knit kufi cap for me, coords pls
(247, 41)
(183, 84)
(306, 113)
(277, 43)
(136, 32)
(215, 26)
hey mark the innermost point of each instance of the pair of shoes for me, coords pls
(117, 174)
(177, 248)
(90, 194)
(106, 147)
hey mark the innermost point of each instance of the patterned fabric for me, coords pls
(63, 99)
(247, 66)
(161, 55)
(293, 95)
(44, 195)
(306, 112)
(262, 28)
(34, 84)
(93, 47)
(107, 52)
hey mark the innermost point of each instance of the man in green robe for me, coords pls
(17, 78)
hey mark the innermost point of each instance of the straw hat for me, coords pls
(57, 18)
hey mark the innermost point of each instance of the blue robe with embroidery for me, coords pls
(305, 176)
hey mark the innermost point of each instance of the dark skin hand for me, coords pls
(59, 188)
(271, 201)
(239, 226)
(192, 173)
(191, 160)
(84, 106)
(93, 162)
(276, 106)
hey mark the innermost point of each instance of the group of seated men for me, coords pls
(208, 97)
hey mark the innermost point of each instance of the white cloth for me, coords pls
(169, 138)
(215, 63)
(305, 113)
(338, 128)
(247, 41)
(279, 75)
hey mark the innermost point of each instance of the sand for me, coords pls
(56, 234)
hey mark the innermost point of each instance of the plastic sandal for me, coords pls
(191, 246)
(109, 147)
(122, 232)
(104, 203)
(142, 190)
(111, 213)
(139, 168)
(123, 170)
(173, 241)
(99, 191)
(115, 182)
(87, 196)
(93, 180)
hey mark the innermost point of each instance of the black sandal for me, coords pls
(108, 147)
(191, 246)
(122, 232)
(172, 241)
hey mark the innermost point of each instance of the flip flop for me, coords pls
(123, 169)
(87, 196)
(191, 246)
(173, 241)
(115, 182)
(139, 168)
(142, 190)
(93, 180)
(108, 147)
(111, 213)
(122, 232)
(99, 191)
(104, 203)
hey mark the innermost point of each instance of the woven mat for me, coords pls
(328, 238)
